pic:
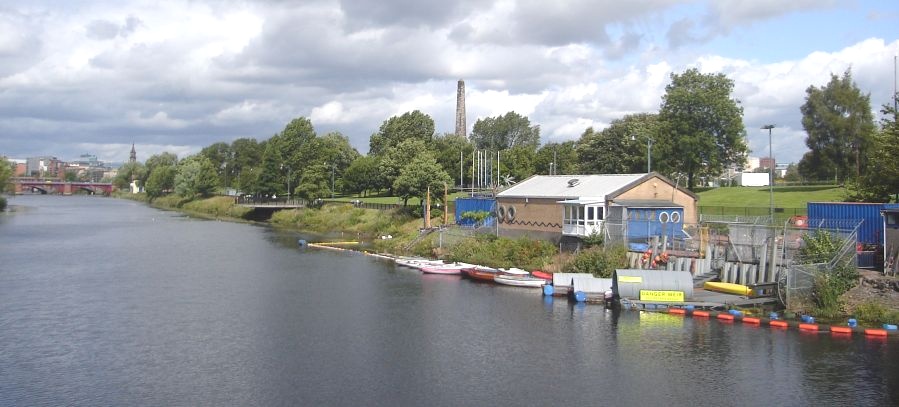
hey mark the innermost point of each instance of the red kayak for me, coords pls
(542, 274)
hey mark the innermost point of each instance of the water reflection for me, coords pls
(133, 306)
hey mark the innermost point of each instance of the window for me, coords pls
(591, 214)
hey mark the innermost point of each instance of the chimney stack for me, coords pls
(460, 110)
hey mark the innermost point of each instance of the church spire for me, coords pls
(133, 157)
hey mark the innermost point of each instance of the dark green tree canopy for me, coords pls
(622, 147)
(161, 180)
(702, 126)
(839, 123)
(362, 176)
(195, 176)
(882, 184)
(448, 149)
(504, 132)
(411, 125)
(557, 158)
(418, 175)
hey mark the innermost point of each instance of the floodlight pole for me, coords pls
(770, 170)
(772, 260)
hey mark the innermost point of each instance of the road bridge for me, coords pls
(61, 187)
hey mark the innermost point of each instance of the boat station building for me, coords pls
(566, 207)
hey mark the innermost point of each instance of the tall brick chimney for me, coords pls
(460, 109)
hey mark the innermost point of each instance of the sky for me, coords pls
(93, 77)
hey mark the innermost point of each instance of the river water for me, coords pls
(109, 302)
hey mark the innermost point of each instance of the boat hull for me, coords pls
(519, 281)
(479, 274)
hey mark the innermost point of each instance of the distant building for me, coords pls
(44, 167)
(766, 162)
(751, 164)
(132, 158)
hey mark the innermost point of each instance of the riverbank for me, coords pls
(398, 232)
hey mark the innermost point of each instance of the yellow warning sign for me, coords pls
(659, 295)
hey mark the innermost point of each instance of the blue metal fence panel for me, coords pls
(824, 214)
(475, 205)
(644, 223)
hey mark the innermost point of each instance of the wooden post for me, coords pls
(445, 206)
(427, 209)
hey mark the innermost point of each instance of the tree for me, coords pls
(395, 158)
(557, 158)
(701, 126)
(6, 172)
(411, 125)
(333, 150)
(622, 147)
(361, 176)
(159, 160)
(447, 149)
(883, 184)
(161, 180)
(129, 171)
(504, 132)
(315, 183)
(839, 123)
(516, 164)
(246, 154)
(195, 176)
(219, 154)
(418, 175)
(269, 177)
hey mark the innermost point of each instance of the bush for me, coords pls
(822, 246)
(875, 313)
(598, 261)
(503, 252)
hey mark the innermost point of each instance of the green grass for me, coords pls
(784, 197)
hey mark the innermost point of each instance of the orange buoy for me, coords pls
(808, 327)
(779, 324)
(679, 311)
(751, 320)
(726, 317)
(704, 314)
(875, 332)
(840, 330)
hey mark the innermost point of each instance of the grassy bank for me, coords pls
(784, 196)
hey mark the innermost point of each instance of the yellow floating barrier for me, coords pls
(727, 288)
(335, 243)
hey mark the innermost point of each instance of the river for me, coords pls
(109, 302)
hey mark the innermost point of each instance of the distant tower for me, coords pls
(460, 109)
(133, 157)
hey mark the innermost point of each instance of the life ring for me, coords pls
(664, 217)
(510, 214)
(501, 213)
(675, 217)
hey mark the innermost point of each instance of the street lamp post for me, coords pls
(288, 182)
(770, 170)
(649, 141)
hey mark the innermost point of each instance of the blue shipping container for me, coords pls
(835, 215)
(475, 205)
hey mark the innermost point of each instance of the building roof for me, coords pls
(584, 187)
(647, 203)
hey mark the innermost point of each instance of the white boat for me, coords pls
(418, 263)
(514, 271)
(519, 280)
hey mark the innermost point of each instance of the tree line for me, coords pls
(696, 135)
